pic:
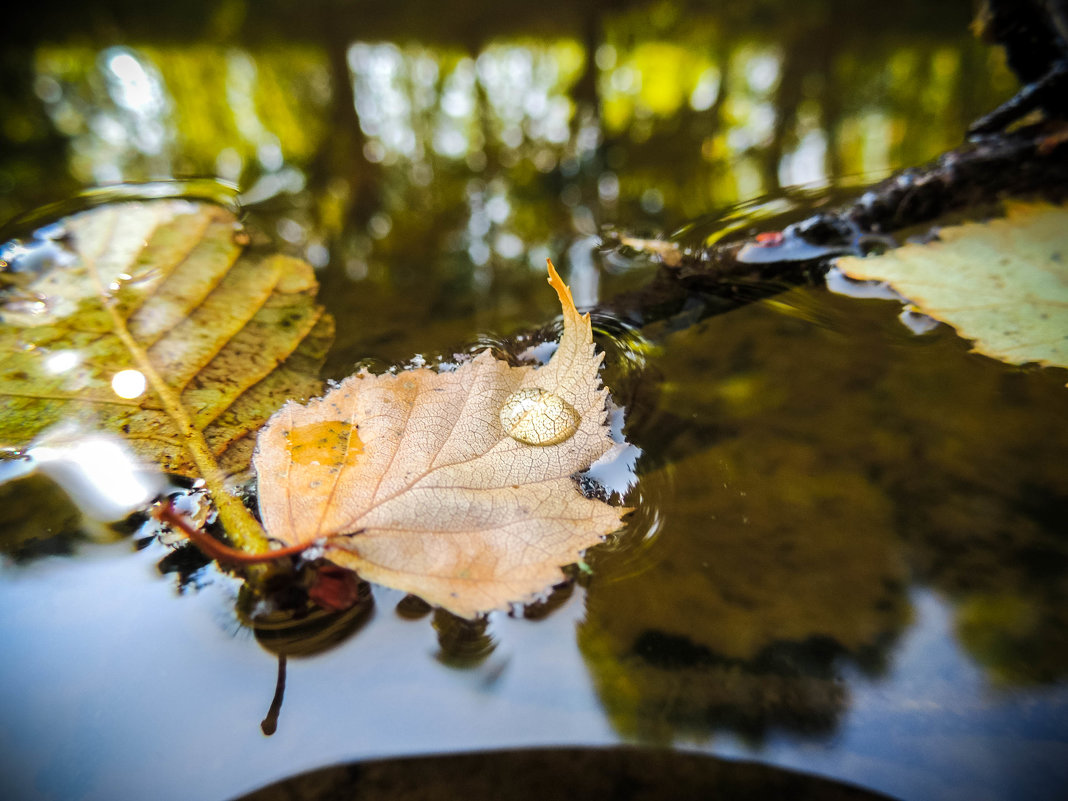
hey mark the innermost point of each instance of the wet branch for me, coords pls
(1027, 162)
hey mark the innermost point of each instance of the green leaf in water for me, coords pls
(1002, 283)
(150, 320)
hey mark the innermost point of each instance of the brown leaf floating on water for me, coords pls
(454, 486)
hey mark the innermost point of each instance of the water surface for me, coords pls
(848, 556)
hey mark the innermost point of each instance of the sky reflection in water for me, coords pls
(148, 694)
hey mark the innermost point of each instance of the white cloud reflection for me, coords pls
(97, 471)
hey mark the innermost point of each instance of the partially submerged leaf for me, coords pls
(233, 335)
(455, 486)
(148, 319)
(1003, 283)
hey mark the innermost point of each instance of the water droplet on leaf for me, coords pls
(537, 417)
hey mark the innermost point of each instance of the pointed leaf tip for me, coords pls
(563, 291)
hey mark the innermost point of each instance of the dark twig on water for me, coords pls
(1026, 162)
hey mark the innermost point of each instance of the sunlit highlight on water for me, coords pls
(61, 361)
(97, 472)
(128, 383)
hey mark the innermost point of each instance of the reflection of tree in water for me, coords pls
(667, 687)
(770, 567)
(839, 461)
(991, 532)
(37, 519)
(428, 163)
(699, 107)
